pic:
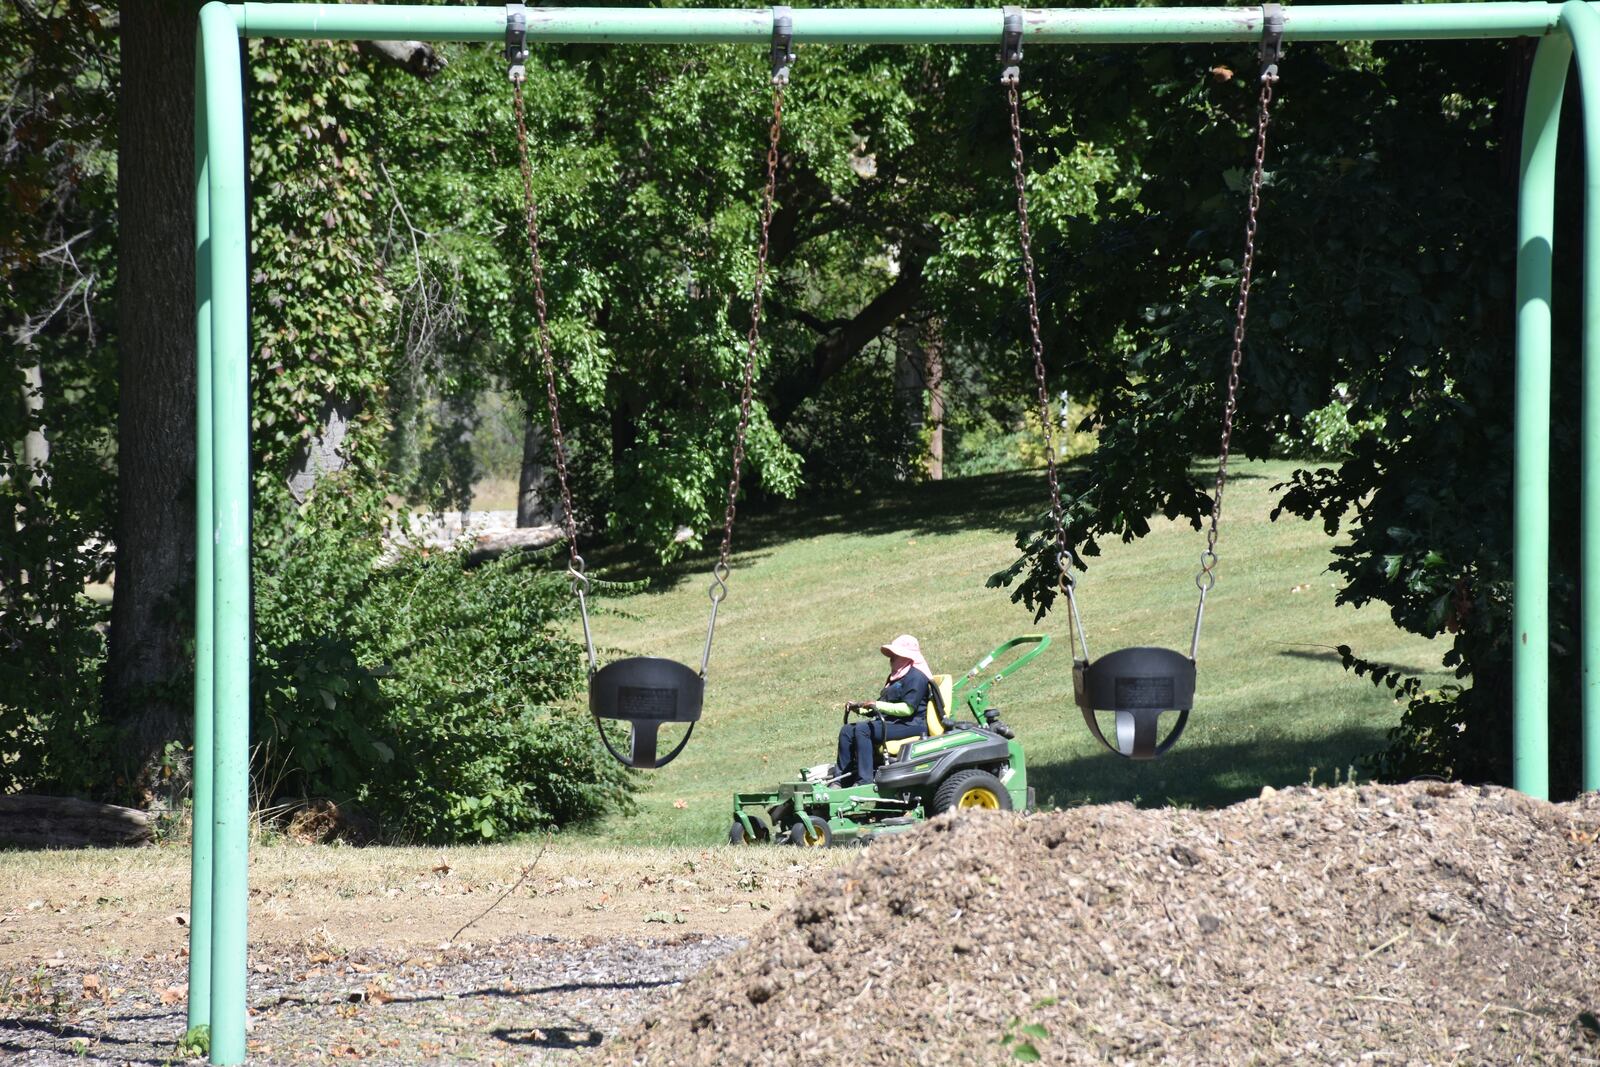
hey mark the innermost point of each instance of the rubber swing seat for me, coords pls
(1139, 685)
(646, 692)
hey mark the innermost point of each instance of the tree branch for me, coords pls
(418, 57)
(845, 340)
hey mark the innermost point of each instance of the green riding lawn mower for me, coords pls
(959, 764)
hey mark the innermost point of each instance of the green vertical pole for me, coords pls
(200, 811)
(1530, 558)
(1583, 24)
(230, 457)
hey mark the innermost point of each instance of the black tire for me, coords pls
(737, 835)
(978, 790)
(807, 837)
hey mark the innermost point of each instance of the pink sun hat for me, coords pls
(905, 652)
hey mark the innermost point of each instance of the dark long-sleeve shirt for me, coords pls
(907, 697)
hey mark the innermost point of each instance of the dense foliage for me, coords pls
(423, 692)
(390, 291)
(57, 389)
(1371, 284)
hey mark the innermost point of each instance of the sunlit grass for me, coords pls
(818, 588)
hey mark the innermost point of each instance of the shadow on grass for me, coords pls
(1331, 655)
(999, 503)
(1202, 776)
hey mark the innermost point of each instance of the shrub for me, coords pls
(420, 690)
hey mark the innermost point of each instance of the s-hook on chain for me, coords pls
(1011, 78)
(1271, 53)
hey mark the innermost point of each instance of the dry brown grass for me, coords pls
(136, 901)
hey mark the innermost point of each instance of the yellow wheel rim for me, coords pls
(979, 797)
(813, 839)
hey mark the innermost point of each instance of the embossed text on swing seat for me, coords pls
(641, 702)
(1135, 693)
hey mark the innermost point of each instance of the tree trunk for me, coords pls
(64, 822)
(534, 506)
(35, 447)
(910, 385)
(933, 349)
(325, 454)
(488, 546)
(155, 416)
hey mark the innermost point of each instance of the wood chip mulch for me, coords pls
(1417, 924)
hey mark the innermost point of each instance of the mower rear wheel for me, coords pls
(817, 835)
(972, 790)
(738, 835)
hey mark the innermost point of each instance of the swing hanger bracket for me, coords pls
(1271, 41)
(1011, 47)
(516, 42)
(782, 44)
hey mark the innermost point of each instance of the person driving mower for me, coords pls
(900, 710)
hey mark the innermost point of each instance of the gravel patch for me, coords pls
(537, 1000)
(1418, 924)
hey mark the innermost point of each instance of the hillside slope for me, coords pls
(817, 588)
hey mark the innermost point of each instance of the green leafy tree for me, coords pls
(1371, 279)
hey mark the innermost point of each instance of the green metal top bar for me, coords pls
(898, 25)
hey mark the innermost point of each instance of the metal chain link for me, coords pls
(1068, 583)
(577, 580)
(575, 567)
(1207, 578)
(719, 587)
(531, 218)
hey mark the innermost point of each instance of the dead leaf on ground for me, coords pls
(680, 803)
(173, 994)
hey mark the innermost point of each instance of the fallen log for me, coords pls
(29, 821)
(496, 543)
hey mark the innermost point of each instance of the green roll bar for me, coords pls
(222, 566)
(973, 687)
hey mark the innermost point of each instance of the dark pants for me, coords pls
(856, 740)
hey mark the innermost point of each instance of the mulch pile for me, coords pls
(1425, 924)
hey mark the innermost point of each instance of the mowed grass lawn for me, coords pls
(818, 587)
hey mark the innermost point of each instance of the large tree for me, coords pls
(1383, 295)
(155, 527)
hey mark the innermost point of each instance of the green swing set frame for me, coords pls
(218, 941)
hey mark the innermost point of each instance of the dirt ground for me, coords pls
(1422, 924)
(352, 955)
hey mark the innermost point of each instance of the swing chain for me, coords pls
(1271, 52)
(1011, 77)
(576, 578)
(781, 58)
(719, 588)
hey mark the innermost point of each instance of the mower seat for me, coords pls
(943, 683)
